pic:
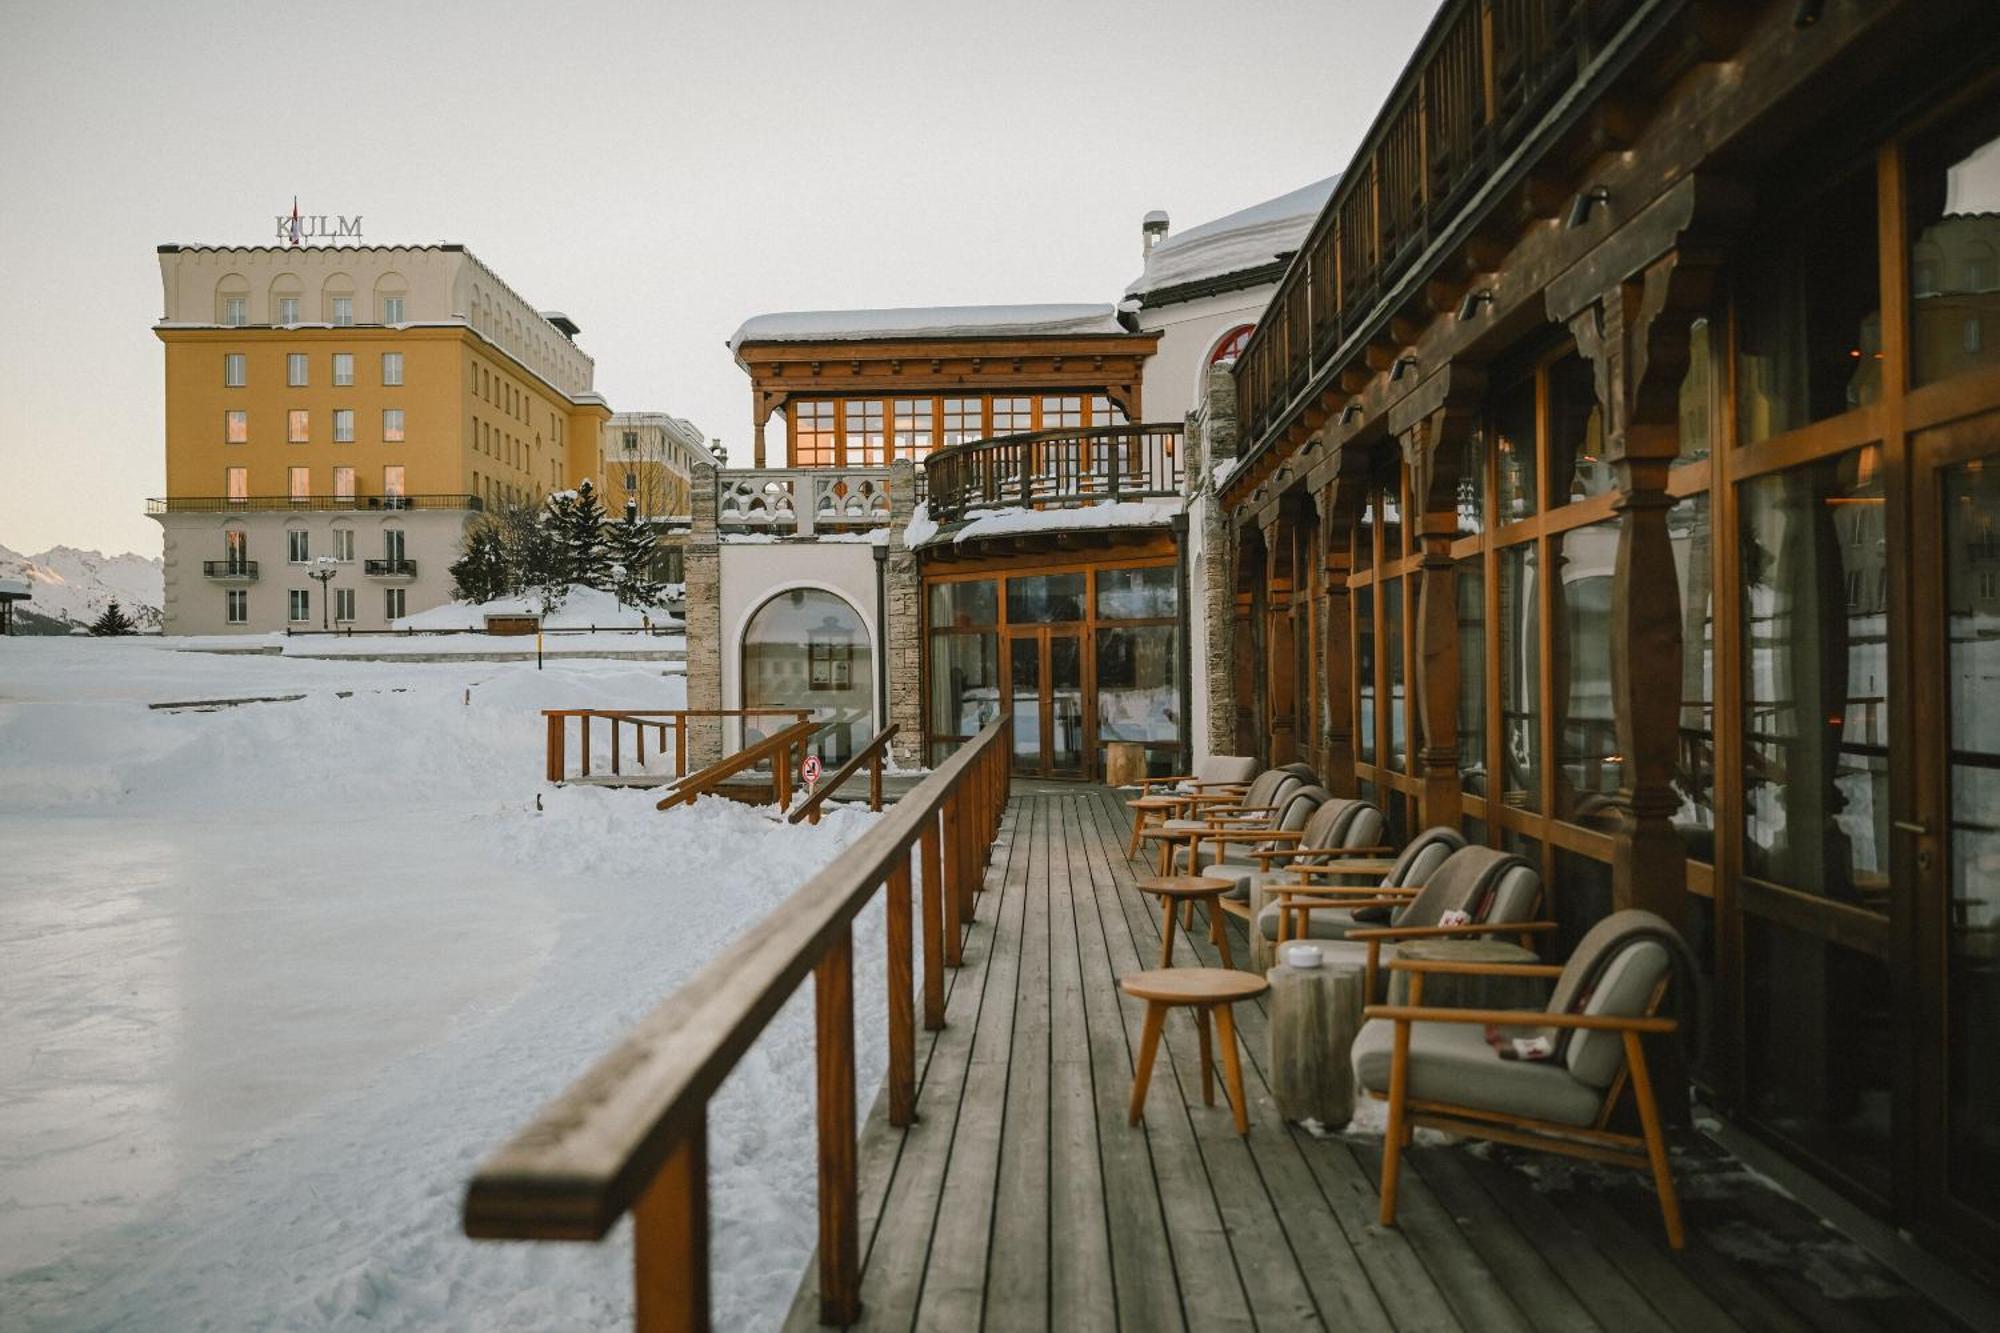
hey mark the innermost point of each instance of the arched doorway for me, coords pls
(807, 648)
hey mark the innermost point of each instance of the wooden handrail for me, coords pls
(870, 754)
(776, 747)
(631, 1134)
(641, 720)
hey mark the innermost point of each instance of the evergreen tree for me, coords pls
(480, 573)
(582, 534)
(526, 549)
(544, 563)
(633, 548)
(114, 621)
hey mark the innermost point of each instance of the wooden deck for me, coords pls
(1021, 1199)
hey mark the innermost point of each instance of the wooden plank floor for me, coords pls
(1021, 1200)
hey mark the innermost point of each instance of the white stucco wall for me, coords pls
(1189, 329)
(755, 572)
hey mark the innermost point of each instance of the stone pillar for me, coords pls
(1216, 629)
(904, 632)
(702, 565)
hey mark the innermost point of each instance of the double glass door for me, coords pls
(1045, 687)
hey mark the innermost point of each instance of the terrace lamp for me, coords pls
(323, 571)
(618, 585)
(1584, 204)
(1473, 300)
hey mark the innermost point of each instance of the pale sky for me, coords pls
(658, 171)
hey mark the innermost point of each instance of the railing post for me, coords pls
(639, 739)
(558, 736)
(670, 1242)
(615, 769)
(902, 1013)
(583, 719)
(839, 1211)
(680, 745)
(781, 776)
(954, 872)
(932, 868)
(1117, 442)
(875, 782)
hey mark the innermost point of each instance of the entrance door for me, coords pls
(1045, 685)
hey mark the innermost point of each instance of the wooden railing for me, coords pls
(775, 749)
(870, 754)
(1484, 77)
(658, 723)
(631, 1135)
(1053, 468)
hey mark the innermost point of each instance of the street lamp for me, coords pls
(618, 585)
(323, 571)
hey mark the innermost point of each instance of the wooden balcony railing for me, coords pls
(870, 754)
(1487, 73)
(776, 750)
(666, 727)
(1055, 468)
(631, 1135)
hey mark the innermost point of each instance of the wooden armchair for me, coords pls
(1259, 807)
(1440, 1069)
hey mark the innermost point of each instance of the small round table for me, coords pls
(1173, 890)
(1446, 990)
(1207, 990)
(1143, 809)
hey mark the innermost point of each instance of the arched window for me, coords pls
(232, 300)
(1231, 344)
(806, 648)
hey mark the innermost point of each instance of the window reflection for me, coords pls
(1954, 184)
(1514, 449)
(808, 649)
(1471, 584)
(1520, 680)
(1136, 693)
(1590, 767)
(1577, 469)
(1364, 670)
(1392, 649)
(1694, 759)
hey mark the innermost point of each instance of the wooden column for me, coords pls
(1339, 502)
(1433, 449)
(1280, 718)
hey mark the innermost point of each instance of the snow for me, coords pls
(982, 523)
(921, 527)
(68, 584)
(582, 608)
(278, 976)
(952, 321)
(1247, 239)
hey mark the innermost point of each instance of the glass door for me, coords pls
(1045, 684)
(1024, 694)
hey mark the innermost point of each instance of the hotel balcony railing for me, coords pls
(230, 571)
(390, 569)
(1485, 78)
(1053, 469)
(802, 501)
(223, 504)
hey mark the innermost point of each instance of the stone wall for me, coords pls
(904, 632)
(702, 557)
(1214, 631)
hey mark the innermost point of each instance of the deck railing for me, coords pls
(871, 754)
(631, 1135)
(666, 726)
(1052, 469)
(776, 750)
(1485, 75)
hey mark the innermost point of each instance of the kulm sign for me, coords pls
(296, 228)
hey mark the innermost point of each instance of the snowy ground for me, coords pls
(274, 978)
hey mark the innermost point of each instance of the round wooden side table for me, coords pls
(1208, 991)
(1172, 891)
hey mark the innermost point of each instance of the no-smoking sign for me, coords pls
(809, 770)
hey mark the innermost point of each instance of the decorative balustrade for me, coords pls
(1486, 76)
(802, 500)
(1053, 469)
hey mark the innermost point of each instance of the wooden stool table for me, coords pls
(1207, 990)
(1314, 1016)
(1445, 990)
(1173, 890)
(1142, 808)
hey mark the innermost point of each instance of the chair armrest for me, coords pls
(1475, 969)
(1446, 932)
(1358, 851)
(1308, 902)
(1341, 894)
(1248, 835)
(1315, 871)
(1526, 1018)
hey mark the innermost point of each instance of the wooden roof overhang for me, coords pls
(1112, 364)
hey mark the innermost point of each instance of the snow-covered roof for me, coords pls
(944, 321)
(1248, 239)
(982, 523)
(15, 588)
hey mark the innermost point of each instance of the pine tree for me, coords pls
(582, 533)
(525, 549)
(480, 572)
(544, 564)
(114, 621)
(634, 548)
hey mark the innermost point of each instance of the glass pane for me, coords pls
(1514, 441)
(1364, 538)
(1024, 660)
(1364, 670)
(1390, 510)
(1697, 397)
(1809, 330)
(965, 683)
(1392, 648)
(1581, 898)
(1694, 762)
(1471, 584)
(1587, 765)
(1815, 680)
(1577, 469)
(971, 602)
(1520, 681)
(1136, 594)
(1472, 485)
(1040, 598)
(809, 649)
(1136, 692)
(1065, 703)
(1954, 184)
(1972, 645)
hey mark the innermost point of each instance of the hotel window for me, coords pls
(343, 369)
(343, 545)
(812, 433)
(392, 425)
(392, 480)
(237, 600)
(392, 310)
(1062, 410)
(964, 420)
(863, 436)
(343, 312)
(296, 369)
(392, 603)
(343, 604)
(235, 311)
(300, 482)
(238, 483)
(631, 481)
(236, 426)
(392, 369)
(298, 426)
(343, 483)
(343, 425)
(232, 370)
(300, 605)
(1103, 412)
(916, 427)
(288, 310)
(1013, 416)
(298, 546)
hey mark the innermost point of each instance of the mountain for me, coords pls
(73, 586)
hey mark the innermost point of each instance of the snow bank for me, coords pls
(581, 608)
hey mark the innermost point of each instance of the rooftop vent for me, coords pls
(1152, 230)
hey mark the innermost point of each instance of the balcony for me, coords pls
(230, 571)
(389, 569)
(255, 504)
(802, 501)
(1055, 469)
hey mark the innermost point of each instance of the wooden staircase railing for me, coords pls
(776, 747)
(631, 1135)
(870, 754)
(657, 722)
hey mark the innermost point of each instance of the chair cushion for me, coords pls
(1325, 923)
(1226, 768)
(1624, 987)
(1451, 1063)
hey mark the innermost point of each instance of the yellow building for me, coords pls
(358, 405)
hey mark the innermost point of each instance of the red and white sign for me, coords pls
(809, 770)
